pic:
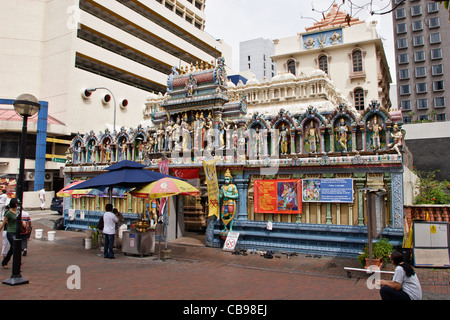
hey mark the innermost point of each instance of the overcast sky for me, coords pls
(235, 21)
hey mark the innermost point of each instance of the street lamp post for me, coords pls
(26, 106)
(114, 101)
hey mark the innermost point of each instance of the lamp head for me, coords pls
(26, 105)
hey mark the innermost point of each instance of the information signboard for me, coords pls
(327, 190)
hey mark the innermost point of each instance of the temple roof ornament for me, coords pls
(334, 18)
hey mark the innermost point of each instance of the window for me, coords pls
(435, 38)
(437, 69)
(323, 63)
(438, 85)
(403, 58)
(405, 105)
(418, 41)
(403, 74)
(436, 53)
(402, 43)
(291, 66)
(424, 117)
(401, 28)
(400, 13)
(417, 25)
(406, 119)
(432, 7)
(441, 117)
(169, 6)
(248, 58)
(405, 89)
(359, 99)
(416, 10)
(419, 56)
(439, 102)
(422, 104)
(433, 22)
(357, 61)
(421, 87)
(420, 72)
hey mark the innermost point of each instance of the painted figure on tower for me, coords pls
(228, 194)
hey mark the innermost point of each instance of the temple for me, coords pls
(293, 151)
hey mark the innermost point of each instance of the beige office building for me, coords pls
(56, 49)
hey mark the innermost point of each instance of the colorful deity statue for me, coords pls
(77, 152)
(168, 137)
(313, 137)
(397, 136)
(221, 132)
(283, 140)
(342, 131)
(92, 152)
(107, 152)
(160, 133)
(228, 195)
(376, 130)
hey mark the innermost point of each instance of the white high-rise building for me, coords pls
(255, 56)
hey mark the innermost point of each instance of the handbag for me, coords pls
(100, 224)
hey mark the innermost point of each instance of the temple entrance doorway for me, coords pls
(191, 216)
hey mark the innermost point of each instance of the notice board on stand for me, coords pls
(431, 244)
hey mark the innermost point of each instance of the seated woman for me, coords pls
(404, 284)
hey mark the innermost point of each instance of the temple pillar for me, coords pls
(397, 199)
(330, 132)
(322, 139)
(292, 142)
(353, 138)
(360, 181)
(242, 186)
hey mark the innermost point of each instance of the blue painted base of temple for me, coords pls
(330, 240)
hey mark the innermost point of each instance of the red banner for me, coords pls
(278, 196)
(186, 173)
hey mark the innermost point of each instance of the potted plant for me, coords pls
(380, 253)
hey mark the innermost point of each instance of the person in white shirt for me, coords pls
(42, 198)
(404, 285)
(3, 199)
(109, 231)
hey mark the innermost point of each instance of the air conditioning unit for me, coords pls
(29, 176)
(48, 177)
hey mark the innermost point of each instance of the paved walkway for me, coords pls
(194, 272)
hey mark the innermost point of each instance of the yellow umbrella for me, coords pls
(165, 187)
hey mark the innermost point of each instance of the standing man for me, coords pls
(3, 199)
(42, 198)
(109, 230)
(3, 202)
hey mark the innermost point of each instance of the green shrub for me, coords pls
(431, 191)
(380, 250)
